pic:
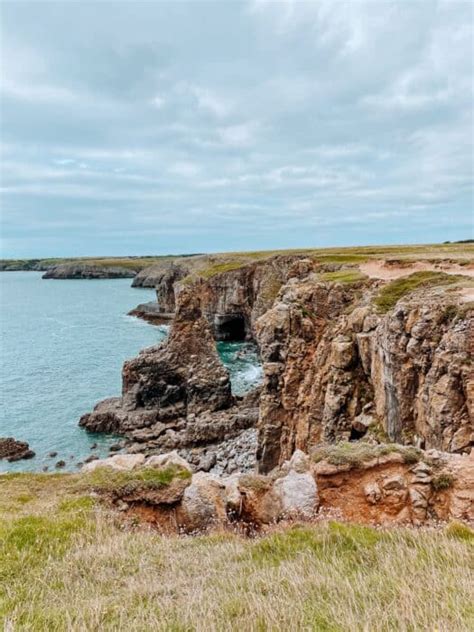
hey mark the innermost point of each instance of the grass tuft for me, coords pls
(358, 452)
(390, 294)
(442, 481)
(105, 479)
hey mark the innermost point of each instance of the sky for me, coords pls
(132, 128)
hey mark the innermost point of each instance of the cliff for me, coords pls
(87, 271)
(336, 368)
(345, 356)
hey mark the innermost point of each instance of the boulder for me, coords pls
(203, 505)
(297, 490)
(13, 450)
(160, 461)
(121, 462)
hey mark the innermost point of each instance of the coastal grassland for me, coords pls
(463, 254)
(132, 263)
(208, 265)
(67, 563)
(390, 294)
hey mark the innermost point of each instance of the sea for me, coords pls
(62, 347)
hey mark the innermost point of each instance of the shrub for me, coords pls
(442, 481)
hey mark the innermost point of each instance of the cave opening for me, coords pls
(231, 328)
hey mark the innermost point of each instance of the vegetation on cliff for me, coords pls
(390, 294)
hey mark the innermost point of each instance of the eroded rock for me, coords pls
(13, 450)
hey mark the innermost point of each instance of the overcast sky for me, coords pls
(159, 127)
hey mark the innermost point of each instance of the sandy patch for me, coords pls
(387, 271)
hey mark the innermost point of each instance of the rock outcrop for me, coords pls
(87, 271)
(178, 396)
(388, 485)
(13, 450)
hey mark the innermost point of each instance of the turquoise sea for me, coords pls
(62, 346)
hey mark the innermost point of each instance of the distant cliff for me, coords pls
(86, 271)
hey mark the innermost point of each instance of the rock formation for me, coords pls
(178, 395)
(389, 485)
(335, 369)
(13, 450)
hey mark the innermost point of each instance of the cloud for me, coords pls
(241, 135)
(225, 126)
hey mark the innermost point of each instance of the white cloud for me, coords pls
(241, 135)
(209, 101)
(262, 125)
(184, 169)
(158, 101)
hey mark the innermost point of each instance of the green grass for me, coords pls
(357, 452)
(105, 479)
(442, 481)
(343, 276)
(66, 563)
(390, 294)
(218, 268)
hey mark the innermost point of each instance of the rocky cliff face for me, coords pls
(336, 369)
(231, 298)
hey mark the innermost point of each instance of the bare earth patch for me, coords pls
(387, 271)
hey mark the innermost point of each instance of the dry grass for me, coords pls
(68, 565)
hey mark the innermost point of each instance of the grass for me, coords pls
(77, 568)
(442, 481)
(356, 453)
(343, 276)
(132, 263)
(105, 479)
(462, 253)
(390, 294)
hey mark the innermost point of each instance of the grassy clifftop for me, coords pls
(66, 563)
(461, 252)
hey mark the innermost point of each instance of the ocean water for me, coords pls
(62, 346)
